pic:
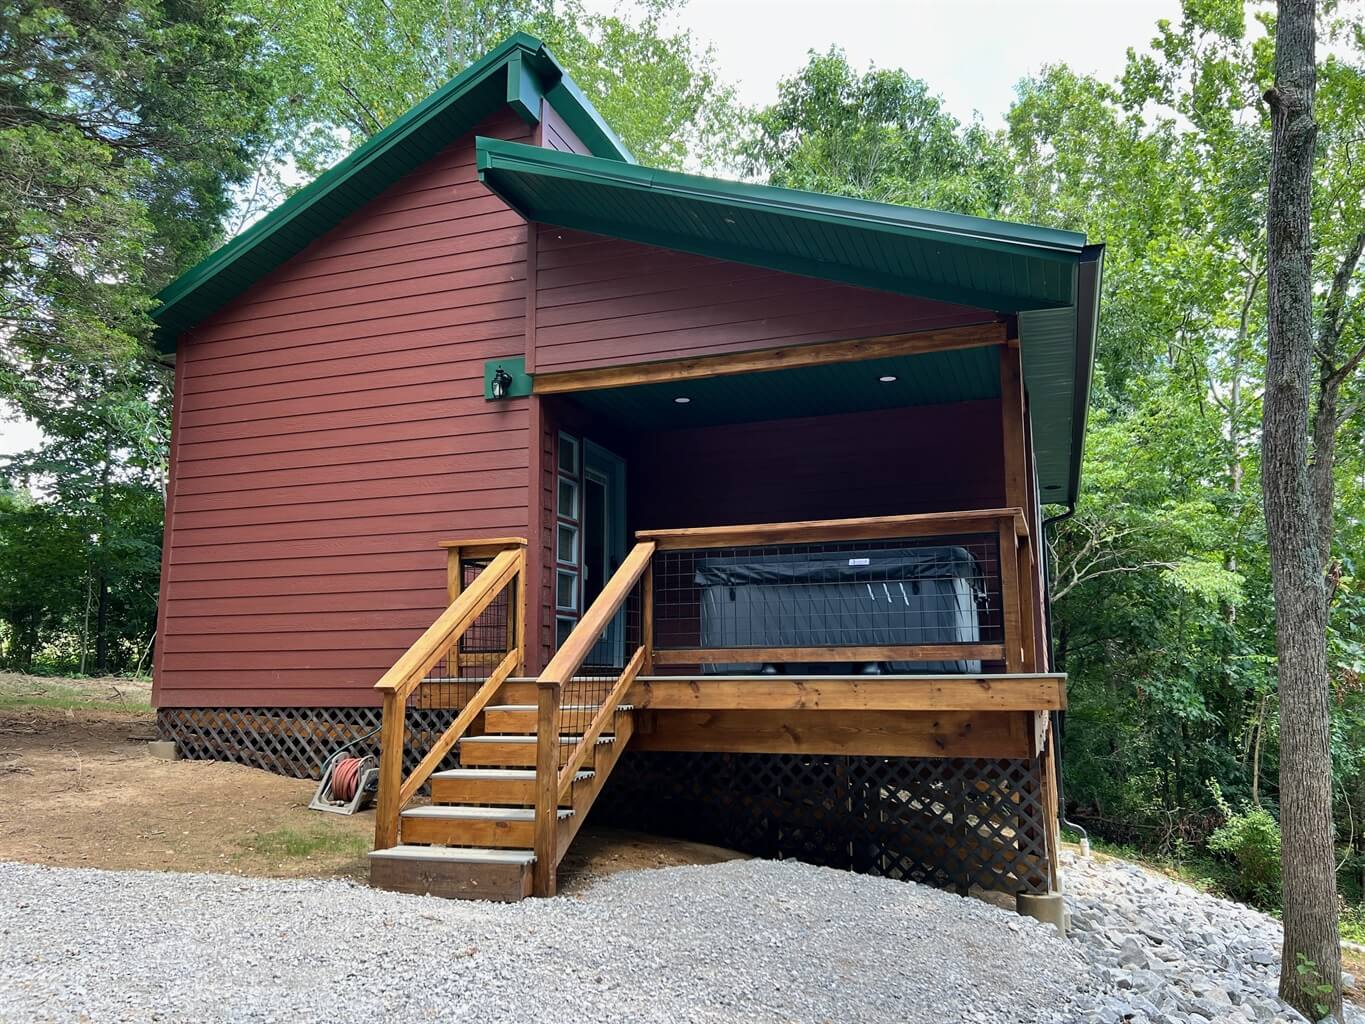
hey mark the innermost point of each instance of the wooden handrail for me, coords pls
(552, 778)
(575, 649)
(870, 652)
(604, 714)
(397, 684)
(931, 524)
(432, 645)
(1008, 525)
(456, 729)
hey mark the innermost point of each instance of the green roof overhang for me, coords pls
(1048, 279)
(519, 73)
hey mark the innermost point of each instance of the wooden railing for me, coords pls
(1016, 646)
(555, 767)
(506, 571)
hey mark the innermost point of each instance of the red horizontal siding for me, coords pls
(330, 430)
(603, 302)
(889, 462)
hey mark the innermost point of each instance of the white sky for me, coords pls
(971, 52)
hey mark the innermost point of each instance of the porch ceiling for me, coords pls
(930, 378)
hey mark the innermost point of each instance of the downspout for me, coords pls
(1059, 717)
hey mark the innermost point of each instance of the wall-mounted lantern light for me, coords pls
(501, 383)
(506, 378)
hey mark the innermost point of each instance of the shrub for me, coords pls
(1251, 841)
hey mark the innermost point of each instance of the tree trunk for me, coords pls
(102, 625)
(101, 574)
(1310, 904)
(1327, 416)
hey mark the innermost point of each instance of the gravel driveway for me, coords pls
(742, 941)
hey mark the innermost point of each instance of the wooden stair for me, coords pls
(475, 840)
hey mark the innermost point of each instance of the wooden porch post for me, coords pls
(546, 872)
(1021, 648)
(391, 737)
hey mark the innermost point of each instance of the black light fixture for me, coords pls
(502, 380)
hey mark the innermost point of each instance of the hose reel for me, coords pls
(348, 783)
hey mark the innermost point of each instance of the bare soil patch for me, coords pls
(81, 791)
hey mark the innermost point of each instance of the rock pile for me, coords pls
(1166, 953)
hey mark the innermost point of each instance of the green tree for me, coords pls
(881, 135)
(125, 128)
(347, 69)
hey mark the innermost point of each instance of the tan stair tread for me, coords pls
(500, 774)
(471, 812)
(519, 738)
(456, 854)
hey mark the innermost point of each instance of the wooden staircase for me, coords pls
(476, 839)
(498, 826)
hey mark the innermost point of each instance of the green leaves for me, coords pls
(345, 70)
(878, 135)
(124, 127)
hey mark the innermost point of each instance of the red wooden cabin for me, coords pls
(572, 478)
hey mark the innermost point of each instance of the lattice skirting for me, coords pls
(293, 741)
(947, 822)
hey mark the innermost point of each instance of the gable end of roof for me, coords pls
(518, 74)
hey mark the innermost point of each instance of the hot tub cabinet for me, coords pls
(567, 485)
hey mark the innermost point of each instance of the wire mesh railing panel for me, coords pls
(941, 591)
(611, 652)
(452, 682)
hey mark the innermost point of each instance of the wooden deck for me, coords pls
(536, 751)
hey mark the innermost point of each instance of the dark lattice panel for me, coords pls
(294, 741)
(952, 822)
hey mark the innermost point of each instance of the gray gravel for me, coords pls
(740, 941)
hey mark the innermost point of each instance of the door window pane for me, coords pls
(566, 591)
(567, 550)
(568, 498)
(568, 455)
(563, 627)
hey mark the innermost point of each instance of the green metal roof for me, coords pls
(968, 260)
(519, 73)
(1048, 278)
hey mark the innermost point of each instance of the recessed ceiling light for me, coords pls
(887, 378)
(682, 399)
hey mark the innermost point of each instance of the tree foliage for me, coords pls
(882, 135)
(125, 128)
(347, 69)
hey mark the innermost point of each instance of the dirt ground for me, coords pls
(81, 791)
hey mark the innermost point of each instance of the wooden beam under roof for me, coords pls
(788, 357)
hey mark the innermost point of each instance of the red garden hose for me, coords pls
(345, 778)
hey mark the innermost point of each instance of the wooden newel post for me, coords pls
(391, 736)
(545, 876)
(647, 617)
